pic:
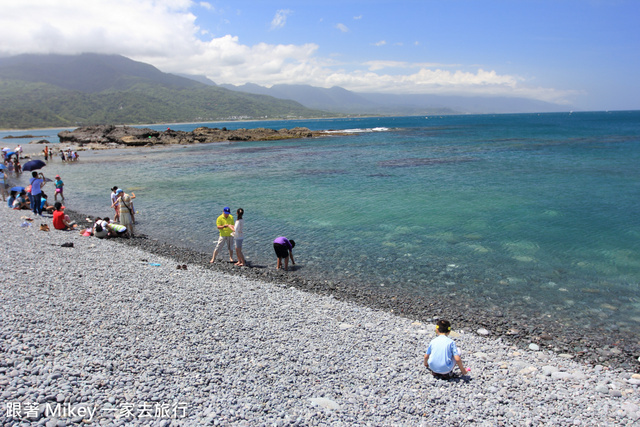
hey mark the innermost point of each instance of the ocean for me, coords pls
(522, 213)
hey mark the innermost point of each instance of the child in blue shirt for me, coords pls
(442, 354)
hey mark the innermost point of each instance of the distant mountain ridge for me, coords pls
(88, 72)
(344, 101)
(87, 89)
(72, 90)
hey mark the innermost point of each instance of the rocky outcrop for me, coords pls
(130, 136)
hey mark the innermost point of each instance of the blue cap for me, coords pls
(227, 210)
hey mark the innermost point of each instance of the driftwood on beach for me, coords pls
(130, 136)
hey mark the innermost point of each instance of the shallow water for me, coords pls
(529, 213)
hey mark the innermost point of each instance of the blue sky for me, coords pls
(581, 53)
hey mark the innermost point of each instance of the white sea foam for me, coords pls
(358, 130)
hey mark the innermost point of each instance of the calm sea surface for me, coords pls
(534, 213)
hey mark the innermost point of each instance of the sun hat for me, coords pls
(57, 176)
(119, 190)
(227, 210)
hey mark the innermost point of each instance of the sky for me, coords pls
(579, 53)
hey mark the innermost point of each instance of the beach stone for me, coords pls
(561, 375)
(528, 370)
(548, 370)
(534, 347)
(325, 403)
(615, 393)
(483, 331)
(636, 376)
(633, 381)
(602, 389)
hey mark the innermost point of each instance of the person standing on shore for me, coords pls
(442, 353)
(124, 202)
(114, 203)
(225, 224)
(37, 182)
(284, 249)
(3, 185)
(59, 188)
(238, 236)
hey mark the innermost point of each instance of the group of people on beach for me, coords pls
(11, 161)
(121, 225)
(35, 199)
(32, 197)
(232, 234)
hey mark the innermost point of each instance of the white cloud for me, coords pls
(357, 18)
(380, 43)
(114, 26)
(206, 5)
(164, 33)
(280, 19)
(380, 65)
(342, 28)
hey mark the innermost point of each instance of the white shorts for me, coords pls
(225, 241)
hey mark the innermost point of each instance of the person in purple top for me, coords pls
(284, 249)
(37, 181)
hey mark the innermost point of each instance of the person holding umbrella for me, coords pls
(37, 182)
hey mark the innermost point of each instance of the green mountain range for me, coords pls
(74, 90)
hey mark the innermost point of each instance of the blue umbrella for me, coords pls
(18, 189)
(2, 167)
(32, 165)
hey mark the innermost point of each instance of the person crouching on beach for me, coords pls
(225, 225)
(60, 220)
(46, 207)
(442, 354)
(100, 229)
(284, 249)
(21, 202)
(114, 229)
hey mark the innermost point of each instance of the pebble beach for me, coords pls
(105, 333)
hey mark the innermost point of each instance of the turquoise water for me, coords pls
(534, 213)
